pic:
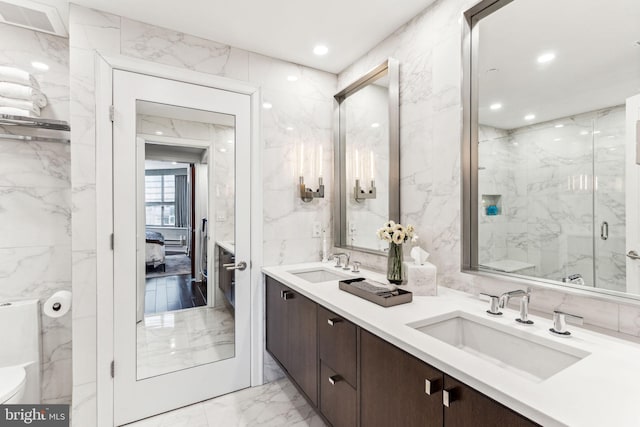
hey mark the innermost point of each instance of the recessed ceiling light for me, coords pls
(158, 132)
(267, 105)
(584, 132)
(595, 132)
(557, 139)
(529, 117)
(612, 149)
(515, 143)
(546, 57)
(375, 125)
(559, 126)
(320, 50)
(495, 106)
(222, 150)
(289, 128)
(292, 78)
(39, 65)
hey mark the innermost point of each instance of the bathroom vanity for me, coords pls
(361, 364)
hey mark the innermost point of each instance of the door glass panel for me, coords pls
(185, 221)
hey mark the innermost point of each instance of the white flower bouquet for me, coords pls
(397, 233)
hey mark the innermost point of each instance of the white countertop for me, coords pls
(603, 389)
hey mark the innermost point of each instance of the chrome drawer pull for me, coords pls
(285, 295)
(448, 397)
(429, 386)
(333, 321)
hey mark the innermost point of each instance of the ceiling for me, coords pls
(285, 29)
(597, 61)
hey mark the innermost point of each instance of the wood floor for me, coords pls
(173, 293)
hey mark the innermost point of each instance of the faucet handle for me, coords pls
(560, 322)
(336, 257)
(355, 266)
(494, 302)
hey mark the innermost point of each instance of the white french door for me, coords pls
(633, 193)
(219, 360)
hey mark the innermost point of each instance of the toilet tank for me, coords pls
(20, 337)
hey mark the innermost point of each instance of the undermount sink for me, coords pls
(320, 275)
(517, 351)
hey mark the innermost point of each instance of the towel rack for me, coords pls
(33, 122)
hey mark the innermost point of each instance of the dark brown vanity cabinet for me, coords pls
(338, 349)
(396, 389)
(355, 378)
(291, 321)
(462, 404)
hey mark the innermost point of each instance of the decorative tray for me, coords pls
(375, 292)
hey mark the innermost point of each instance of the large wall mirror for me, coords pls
(367, 158)
(551, 183)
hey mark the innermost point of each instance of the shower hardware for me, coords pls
(362, 194)
(604, 230)
(307, 194)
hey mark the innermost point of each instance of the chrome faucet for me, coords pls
(494, 308)
(524, 304)
(337, 258)
(560, 322)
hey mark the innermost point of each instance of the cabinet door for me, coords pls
(337, 398)
(338, 346)
(277, 340)
(467, 405)
(393, 387)
(302, 362)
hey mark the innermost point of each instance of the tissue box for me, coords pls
(421, 279)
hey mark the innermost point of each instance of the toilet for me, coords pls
(20, 361)
(13, 380)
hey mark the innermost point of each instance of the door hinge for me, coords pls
(111, 112)
(113, 369)
(111, 241)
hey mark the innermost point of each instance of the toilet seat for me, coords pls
(12, 381)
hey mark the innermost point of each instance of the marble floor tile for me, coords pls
(176, 340)
(276, 404)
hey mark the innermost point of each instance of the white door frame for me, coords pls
(632, 183)
(104, 67)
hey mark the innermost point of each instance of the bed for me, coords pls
(155, 250)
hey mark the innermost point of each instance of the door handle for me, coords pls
(604, 230)
(448, 397)
(334, 379)
(239, 266)
(286, 295)
(430, 386)
(633, 255)
(333, 321)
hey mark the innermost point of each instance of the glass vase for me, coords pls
(395, 268)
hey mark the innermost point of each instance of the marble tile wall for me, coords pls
(35, 205)
(301, 111)
(428, 48)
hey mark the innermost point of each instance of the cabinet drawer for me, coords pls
(337, 340)
(337, 398)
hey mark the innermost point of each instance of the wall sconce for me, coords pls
(314, 168)
(307, 194)
(361, 194)
(358, 191)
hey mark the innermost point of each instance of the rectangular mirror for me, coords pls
(551, 184)
(367, 158)
(186, 181)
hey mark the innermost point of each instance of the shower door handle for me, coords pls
(604, 230)
(239, 266)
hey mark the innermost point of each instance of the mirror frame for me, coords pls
(392, 68)
(469, 167)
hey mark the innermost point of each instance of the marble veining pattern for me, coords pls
(175, 340)
(277, 404)
(35, 204)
